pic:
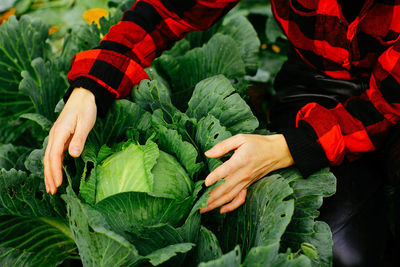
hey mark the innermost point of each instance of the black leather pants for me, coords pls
(357, 212)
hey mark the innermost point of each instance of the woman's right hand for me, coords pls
(68, 132)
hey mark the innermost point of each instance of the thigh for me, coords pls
(357, 212)
(391, 161)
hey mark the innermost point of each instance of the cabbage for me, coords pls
(142, 186)
(142, 169)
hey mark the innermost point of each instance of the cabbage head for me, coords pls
(142, 169)
(142, 186)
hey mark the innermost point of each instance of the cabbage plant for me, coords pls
(139, 204)
(132, 199)
(142, 169)
(129, 179)
(142, 195)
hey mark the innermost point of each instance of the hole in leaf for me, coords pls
(288, 198)
(11, 192)
(39, 195)
(227, 96)
(283, 215)
(89, 168)
(216, 136)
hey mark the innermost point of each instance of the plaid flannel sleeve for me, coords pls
(359, 125)
(148, 28)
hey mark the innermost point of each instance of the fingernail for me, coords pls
(208, 152)
(75, 151)
(206, 182)
(47, 189)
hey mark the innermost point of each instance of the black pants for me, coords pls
(357, 212)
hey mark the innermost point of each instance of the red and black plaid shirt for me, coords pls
(367, 47)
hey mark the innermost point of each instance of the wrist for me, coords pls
(82, 93)
(102, 97)
(306, 151)
(284, 151)
(277, 155)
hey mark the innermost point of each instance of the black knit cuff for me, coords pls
(104, 98)
(307, 153)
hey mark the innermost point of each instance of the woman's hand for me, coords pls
(254, 157)
(68, 132)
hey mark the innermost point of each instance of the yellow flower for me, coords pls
(264, 46)
(94, 15)
(53, 29)
(6, 15)
(36, 5)
(275, 48)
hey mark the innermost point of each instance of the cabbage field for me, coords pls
(133, 197)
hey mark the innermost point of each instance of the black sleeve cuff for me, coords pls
(307, 153)
(104, 98)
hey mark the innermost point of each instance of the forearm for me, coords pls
(354, 127)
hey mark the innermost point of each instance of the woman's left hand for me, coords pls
(255, 156)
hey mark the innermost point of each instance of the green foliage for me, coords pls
(232, 258)
(98, 246)
(241, 30)
(220, 55)
(45, 241)
(134, 196)
(27, 213)
(229, 48)
(45, 86)
(20, 42)
(23, 195)
(208, 247)
(264, 217)
(309, 193)
(279, 215)
(13, 157)
(217, 97)
(142, 169)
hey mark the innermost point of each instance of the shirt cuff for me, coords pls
(307, 153)
(104, 98)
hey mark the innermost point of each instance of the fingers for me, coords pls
(223, 194)
(48, 182)
(228, 167)
(235, 203)
(57, 143)
(225, 146)
(69, 132)
(79, 138)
